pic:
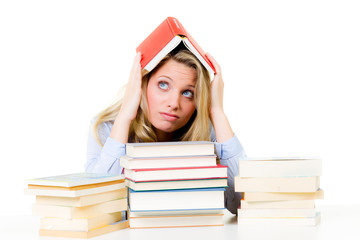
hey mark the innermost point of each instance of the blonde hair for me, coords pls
(197, 129)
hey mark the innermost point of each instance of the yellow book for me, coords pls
(82, 201)
(85, 234)
(80, 224)
(66, 212)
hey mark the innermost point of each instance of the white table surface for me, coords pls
(337, 222)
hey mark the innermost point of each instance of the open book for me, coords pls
(166, 37)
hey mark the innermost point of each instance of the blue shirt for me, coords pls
(106, 159)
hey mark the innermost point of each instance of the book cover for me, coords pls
(169, 34)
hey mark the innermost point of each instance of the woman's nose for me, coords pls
(174, 100)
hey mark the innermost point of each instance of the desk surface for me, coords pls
(337, 222)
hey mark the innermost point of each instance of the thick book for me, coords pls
(179, 184)
(75, 191)
(186, 199)
(176, 221)
(280, 167)
(170, 149)
(166, 37)
(82, 201)
(167, 162)
(74, 179)
(145, 175)
(66, 212)
(85, 234)
(281, 196)
(81, 224)
(285, 184)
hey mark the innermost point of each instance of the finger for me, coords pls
(136, 65)
(214, 63)
(137, 60)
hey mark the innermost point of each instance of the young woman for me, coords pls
(173, 102)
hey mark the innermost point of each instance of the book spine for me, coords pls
(176, 27)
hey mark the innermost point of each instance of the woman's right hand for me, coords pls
(132, 97)
(130, 104)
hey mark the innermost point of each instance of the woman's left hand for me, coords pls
(217, 88)
(219, 120)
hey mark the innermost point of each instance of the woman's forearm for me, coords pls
(223, 130)
(120, 129)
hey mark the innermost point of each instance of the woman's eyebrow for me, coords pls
(166, 77)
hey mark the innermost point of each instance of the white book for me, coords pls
(186, 199)
(276, 213)
(176, 221)
(170, 149)
(278, 204)
(180, 184)
(146, 175)
(279, 196)
(294, 221)
(280, 167)
(286, 184)
(176, 212)
(167, 162)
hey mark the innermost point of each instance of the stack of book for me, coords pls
(279, 190)
(81, 205)
(174, 184)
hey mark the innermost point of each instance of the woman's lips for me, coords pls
(169, 117)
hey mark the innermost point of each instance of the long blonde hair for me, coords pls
(197, 129)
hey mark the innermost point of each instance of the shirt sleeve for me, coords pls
(104, 159)
(230, 152)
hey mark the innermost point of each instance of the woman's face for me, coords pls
(170, 96)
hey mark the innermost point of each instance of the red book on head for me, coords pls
(168, 35)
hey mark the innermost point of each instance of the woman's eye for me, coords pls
(163, 85)
(188, 94)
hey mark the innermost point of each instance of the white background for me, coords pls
(290, 69)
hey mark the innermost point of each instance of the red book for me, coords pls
(173, 174)
(168, 35)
